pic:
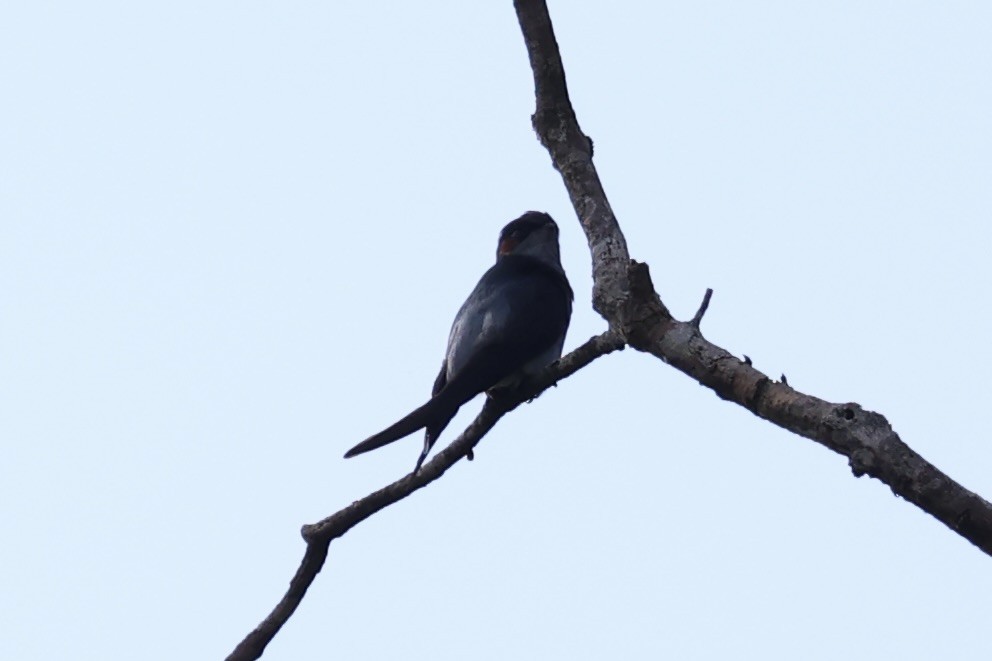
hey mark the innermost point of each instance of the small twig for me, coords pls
(698, 317)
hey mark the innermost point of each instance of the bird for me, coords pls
(510, 327)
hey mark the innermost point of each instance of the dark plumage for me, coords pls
(513, 324)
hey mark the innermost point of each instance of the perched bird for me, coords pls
(511, 326)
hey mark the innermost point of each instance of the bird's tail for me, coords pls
(443, 406)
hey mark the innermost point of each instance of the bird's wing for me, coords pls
(442, 378)
(519, 310)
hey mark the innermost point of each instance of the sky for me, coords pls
(232, 240)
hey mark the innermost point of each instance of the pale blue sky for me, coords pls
(233, 237)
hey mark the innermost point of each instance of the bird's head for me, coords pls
(533, 234)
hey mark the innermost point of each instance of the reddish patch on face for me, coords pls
(506, 246)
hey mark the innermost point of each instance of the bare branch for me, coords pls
(319, 535)
(625, 295)
(336, 525)
(571, 153)
(254, 643)
(864, 437)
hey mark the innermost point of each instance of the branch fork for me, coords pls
(625, 296)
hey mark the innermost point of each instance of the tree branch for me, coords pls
(319, 535)
(571, 153)
(625, 295)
